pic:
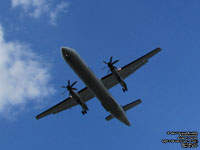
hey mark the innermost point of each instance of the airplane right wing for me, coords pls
(109, 81)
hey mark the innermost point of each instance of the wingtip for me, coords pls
(139, 100)
(158, 49)
(37, 117)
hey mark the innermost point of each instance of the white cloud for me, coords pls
(23, 77)
(36, 8)
(59, 8)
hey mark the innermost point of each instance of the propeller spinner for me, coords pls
(110, 64)
(69, 86)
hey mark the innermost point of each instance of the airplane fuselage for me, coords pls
(94, 84)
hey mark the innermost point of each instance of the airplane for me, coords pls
(96, 87)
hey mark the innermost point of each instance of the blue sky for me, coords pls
(32, 71)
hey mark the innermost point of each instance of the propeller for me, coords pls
(110, 64)
(69, 87)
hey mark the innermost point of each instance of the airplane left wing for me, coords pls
(69, 102)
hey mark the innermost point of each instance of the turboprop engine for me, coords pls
(76, 96)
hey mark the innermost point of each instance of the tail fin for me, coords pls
(126, 107)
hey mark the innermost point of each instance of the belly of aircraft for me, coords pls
(97, 87)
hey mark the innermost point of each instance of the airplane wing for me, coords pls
(69, 102)
(109, 81)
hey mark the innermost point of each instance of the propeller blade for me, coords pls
(73, 83)
(104, 68)
(111, 59)
(110, 64)
(64, 92)
(69, 87)
(68, 82)
(105, 62)
(115, 62)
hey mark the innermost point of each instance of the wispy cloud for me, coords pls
(37, 8)
(23, 78)
(59, 8)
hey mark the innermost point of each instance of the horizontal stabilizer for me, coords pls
(126, 107)
(132, 104)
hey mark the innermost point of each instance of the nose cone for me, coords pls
(66, 51)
